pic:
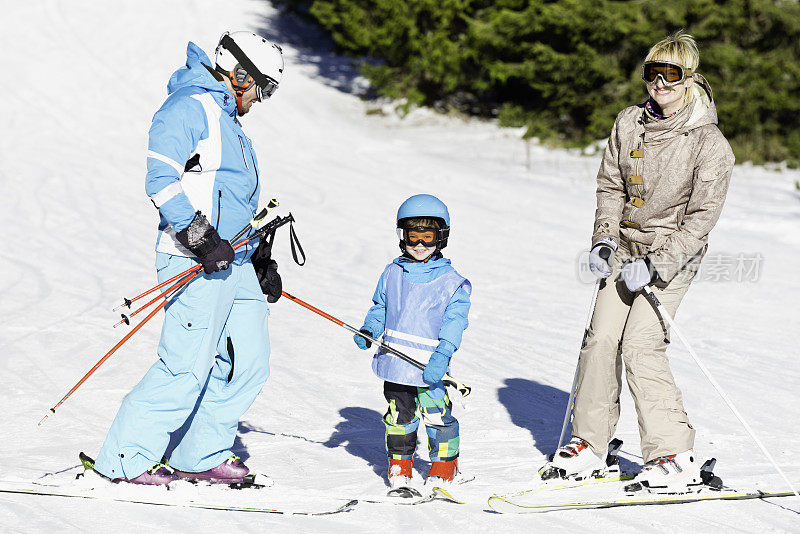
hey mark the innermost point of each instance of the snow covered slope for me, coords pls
(81, 82)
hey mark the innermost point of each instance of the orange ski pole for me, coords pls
(191, 272)
(279, 221)
(252, 224)
(108, 354)
(447, 379)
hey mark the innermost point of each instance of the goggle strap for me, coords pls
(260, 78)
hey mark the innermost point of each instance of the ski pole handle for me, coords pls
(271, 205)
(447, 379)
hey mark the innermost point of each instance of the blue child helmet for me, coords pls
(426, 206)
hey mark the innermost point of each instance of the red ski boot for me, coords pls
(399, 472)
(443, 471)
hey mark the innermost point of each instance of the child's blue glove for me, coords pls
(362, 342)
(436, 368)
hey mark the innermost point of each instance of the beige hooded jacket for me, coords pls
(662, 183)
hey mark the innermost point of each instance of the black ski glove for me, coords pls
(204, 242)
(267, 271)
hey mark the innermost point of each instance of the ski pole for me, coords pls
(571, 400)
(268, 228)
(52, 411)
(448, 380)
(263, 231)
(665, 315)
(272, 204)
(182, 282)
(126, 319)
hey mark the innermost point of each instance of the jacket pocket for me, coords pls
(219, 207)
(715, 169)
(244, 156)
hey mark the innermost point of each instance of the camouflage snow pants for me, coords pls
(402, 422)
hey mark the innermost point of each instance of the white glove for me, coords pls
(637, 274)
(601, 256)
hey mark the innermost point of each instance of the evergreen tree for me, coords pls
(565, 68)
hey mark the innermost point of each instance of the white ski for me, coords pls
(506, 504)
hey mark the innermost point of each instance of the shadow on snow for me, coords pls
(361, 435)
(536, 407)
(539, 408)
(314, 47)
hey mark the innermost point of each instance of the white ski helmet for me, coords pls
(246, 58)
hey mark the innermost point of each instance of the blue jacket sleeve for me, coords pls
(455, 322)
(176, 129)
(375, 321)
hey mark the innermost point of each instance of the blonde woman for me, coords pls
(660, 190)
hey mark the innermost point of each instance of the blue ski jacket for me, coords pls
(199, 158)
(416, 323)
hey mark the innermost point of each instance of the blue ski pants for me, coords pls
(213, 362)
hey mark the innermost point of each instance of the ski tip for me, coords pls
(346, 507)
(495, 503)
(442, 493)
(87, 461)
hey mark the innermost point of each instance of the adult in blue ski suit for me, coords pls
(202, 175)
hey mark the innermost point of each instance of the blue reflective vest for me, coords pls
(418, 307)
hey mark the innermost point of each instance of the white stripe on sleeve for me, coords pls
(169, 161)
(172, 190)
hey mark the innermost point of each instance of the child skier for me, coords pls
(420, 307)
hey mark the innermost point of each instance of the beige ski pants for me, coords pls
(626, 328)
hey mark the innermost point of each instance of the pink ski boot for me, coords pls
(158, 475)
(231, 471)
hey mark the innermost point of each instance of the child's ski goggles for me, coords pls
(414, 236)
(671, 73)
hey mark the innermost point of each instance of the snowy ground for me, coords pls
(82, 81)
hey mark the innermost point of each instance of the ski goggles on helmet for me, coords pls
(244, 82)
(414, 236)
(267, 90)
(670, 73)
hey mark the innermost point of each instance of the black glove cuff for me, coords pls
(367, 332)
(199, 237)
